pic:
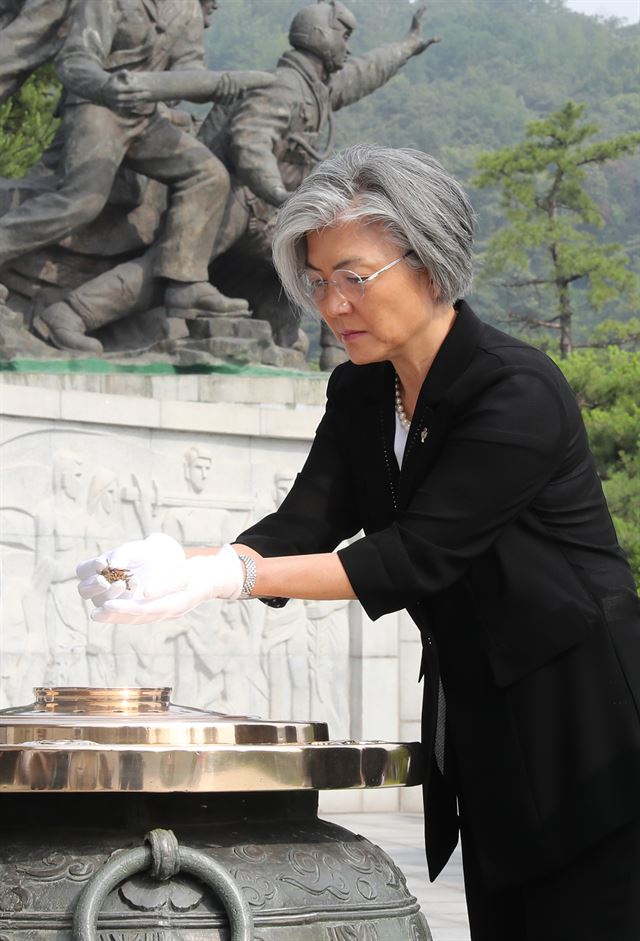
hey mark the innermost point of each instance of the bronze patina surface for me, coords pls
(126, 817)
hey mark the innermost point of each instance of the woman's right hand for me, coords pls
(145, 561)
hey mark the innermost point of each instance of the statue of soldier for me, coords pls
(276, 135)
(110, 65)
(269, 140)
(31, 33)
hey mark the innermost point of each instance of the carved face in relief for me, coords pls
(197, 467)
(67, 473)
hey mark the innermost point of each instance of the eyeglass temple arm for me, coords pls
(372, 277)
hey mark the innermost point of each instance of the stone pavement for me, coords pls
(401, 836)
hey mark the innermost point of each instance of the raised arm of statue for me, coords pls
(361, 76)
(82, 59)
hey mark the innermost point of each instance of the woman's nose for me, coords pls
(334, 303)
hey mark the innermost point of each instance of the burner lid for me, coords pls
(83, 739)
(139, 716)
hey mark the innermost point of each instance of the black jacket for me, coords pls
(497, 540)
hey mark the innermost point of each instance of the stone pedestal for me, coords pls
(231, 339)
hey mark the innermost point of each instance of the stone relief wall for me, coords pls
(77, 477)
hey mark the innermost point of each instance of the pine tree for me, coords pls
(549, 243)
(606, 382)
(28, 122)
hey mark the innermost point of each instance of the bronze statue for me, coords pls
(108, 65)
(277, 134)
(260, 144)
(269, 140)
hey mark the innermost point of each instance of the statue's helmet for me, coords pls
(324, 29)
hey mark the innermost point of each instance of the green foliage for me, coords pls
(249, 34)
(549, 242)
(28, 123)
(622, 333)
(623, 495)
(606, 383)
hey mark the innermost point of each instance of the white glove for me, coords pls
(200, 578)
(150, 559)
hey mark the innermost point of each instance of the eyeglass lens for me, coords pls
(349, 284)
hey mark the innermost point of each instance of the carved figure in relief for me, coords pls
(286, 659)
(197, 467)
(23, 634)
(59, 519)
(237, 682)
(112, 65)
(305, 649)
(22, 640)
(104, 508)
(328, 642)
(285, 643)
(188, 517)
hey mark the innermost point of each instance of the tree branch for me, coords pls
(530, 321)
(528, 283)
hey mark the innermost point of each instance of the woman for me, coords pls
(461, 453)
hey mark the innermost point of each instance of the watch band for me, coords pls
(250, 576)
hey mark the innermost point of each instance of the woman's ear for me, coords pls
(429, 286)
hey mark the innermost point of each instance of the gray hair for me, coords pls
(423, 208)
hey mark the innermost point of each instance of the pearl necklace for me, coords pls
(405, 421)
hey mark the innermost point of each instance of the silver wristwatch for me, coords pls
(250, 575)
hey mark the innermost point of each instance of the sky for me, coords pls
(628, 10)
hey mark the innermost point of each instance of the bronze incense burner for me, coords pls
(125, 817)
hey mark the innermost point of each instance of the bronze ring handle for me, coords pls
(164, 857)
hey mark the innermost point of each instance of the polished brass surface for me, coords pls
(79, 739)
(118, 699)
(138, 716)
(82, 766)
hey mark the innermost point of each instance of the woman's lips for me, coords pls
(352, 334)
